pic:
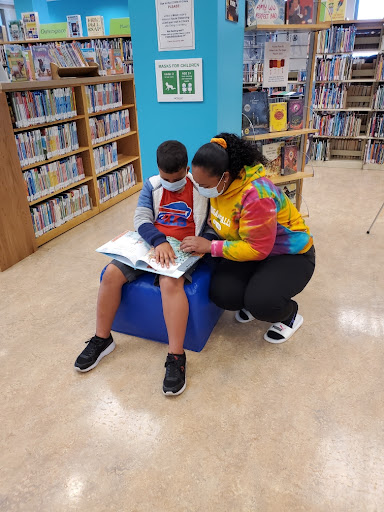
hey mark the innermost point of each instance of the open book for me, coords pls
(131, 249)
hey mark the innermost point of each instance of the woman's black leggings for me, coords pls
(265, 288)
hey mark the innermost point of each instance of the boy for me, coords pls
(169, 205)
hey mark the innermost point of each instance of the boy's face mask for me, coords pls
(175, 186)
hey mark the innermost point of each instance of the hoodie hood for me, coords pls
(247, 175)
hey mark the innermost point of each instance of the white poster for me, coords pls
(179, 80)
(276, 64)
(175, 25)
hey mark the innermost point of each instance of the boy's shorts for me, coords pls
(132, 274)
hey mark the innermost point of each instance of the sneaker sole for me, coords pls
(169, 393)
(107, 351)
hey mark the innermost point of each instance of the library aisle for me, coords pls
(306, 434)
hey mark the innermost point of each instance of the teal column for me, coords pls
(220, 44)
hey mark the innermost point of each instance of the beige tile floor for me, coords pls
(295, 427)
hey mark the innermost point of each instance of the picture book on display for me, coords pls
(265, 12)
(3, 34)
(75, 28)
(289, 160)
(300, 12)
(95, 25)
(273, 153)
(31, 25)
(278, 116)
(16, 63)
(131, 249)
(335, 10)
(255, 110)
(15, 30)
(89, 55)
(296, 113)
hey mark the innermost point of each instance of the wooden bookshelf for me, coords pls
(278, 135)
(283, 28)
(291, 178)
(369, 37)
(69, 39)
(17, 237)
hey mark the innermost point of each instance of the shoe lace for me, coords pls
(91, 348)
(173, 367)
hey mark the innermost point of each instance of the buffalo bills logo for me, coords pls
(174, 214)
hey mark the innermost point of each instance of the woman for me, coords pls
(266, 250)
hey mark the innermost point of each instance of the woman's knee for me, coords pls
(225, 293)
(267, 307)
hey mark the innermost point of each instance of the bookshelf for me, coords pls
(17, 235)
(344, 108)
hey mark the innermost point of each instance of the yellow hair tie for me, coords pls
(220, 142)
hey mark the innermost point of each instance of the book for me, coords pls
(3, 34)
(289, 190)
(89, 55)
(335, 10)
(273, 153)
(42, 62)
(31, 25)
(27, 54)
(299, 12)
(289, 160)
(75, 28)
(15, 30)
(131, 249)
(16, 63)
(265, 12)
(296, 113)
(255, 113)
(117, 61)
(95, 25)
(116, 182)
(278, 117)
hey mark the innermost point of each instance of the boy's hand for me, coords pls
(196, 244)
(165, 254)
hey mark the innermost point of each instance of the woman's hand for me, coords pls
(196, 244)
(165, 254)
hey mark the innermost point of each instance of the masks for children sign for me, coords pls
(179, 80)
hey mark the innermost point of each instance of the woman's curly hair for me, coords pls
(217, 160)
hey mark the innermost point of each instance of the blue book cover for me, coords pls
(255, 119)
(265, 12)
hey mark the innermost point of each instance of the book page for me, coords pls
(129, 244)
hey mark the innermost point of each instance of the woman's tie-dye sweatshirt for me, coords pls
(255, 219)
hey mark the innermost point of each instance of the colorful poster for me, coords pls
(276, 64)
(175, 25)
(232, 10)
(179, 80)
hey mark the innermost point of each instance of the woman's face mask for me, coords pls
(211, 192)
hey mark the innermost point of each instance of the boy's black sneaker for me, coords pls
(175, 379)
(96, 349)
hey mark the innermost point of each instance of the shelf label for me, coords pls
(179, 80)
(120, 27)
(53, 30)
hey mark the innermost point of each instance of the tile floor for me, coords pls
(295, 427)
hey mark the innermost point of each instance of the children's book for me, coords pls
(42, 62)
(289, 157)
(296, 113)
(131, 249)
(265, 12)
(89, 55)
(289, 190)
(75, 28)
(273, 153)
(300, 12)
(117, 61)
(16, 63)
(27, 54)
(255, 113)
(278, 116)
(15, 30)
(95, 25)
(335, 10)
(31, 25)
(3, 34)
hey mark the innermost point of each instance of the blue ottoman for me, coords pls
(141, 314)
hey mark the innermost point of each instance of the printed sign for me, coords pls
(175, 25)
(179, 80)
(120, 27)
(276, 64)
(53, 30)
